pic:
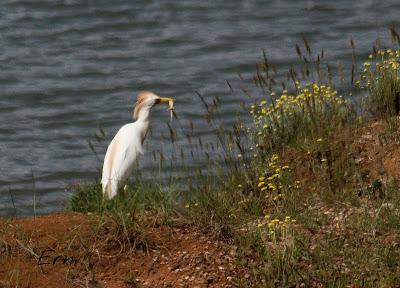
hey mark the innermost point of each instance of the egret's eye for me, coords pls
(158, 101)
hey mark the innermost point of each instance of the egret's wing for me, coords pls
(107, 165)
(125, 161)
(109, 182)
(120, 158)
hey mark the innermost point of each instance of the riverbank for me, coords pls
(64, 250)
(304, 193)
(320, 238)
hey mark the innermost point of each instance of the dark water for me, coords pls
(68, 66)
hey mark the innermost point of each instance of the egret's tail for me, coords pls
(110, 188)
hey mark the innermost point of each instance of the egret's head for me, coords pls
(147, 100)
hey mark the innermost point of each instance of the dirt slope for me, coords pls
(60, 250)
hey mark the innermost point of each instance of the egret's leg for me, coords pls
(124, 191)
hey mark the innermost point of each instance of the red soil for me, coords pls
(176, 257)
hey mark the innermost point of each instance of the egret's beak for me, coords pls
(171, 107)
(166, 100)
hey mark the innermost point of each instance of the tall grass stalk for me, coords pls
(381, 78)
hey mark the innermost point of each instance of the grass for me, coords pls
(290, 190)
(381, 77)
(125, 219)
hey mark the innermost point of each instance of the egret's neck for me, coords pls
(144, 114)
(143, 120)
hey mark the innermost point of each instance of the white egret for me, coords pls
(124, 149)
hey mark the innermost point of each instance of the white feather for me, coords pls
(121, 157)
(123, 151)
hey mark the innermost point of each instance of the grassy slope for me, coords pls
(312, 199)
(340, 237)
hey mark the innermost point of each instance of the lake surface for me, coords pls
(68, 67)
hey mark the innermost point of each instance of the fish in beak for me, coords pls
(171, 107)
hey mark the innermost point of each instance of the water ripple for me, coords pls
(70, 66)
